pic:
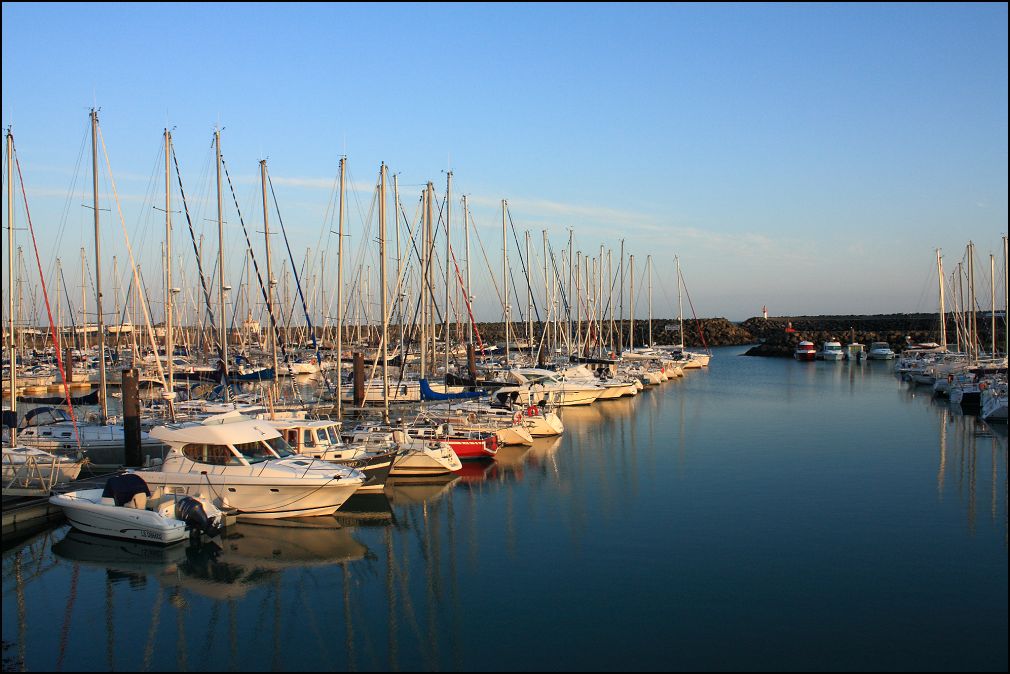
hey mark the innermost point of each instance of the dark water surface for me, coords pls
(763, 514)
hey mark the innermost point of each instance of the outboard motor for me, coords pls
(191, 511)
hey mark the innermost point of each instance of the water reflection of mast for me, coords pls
(972, 463)
(348, 624)
(993, 472)
(453, 579)
(19, 584)
(153, 630)
(179, 602)
(394, 650)
(431, 579)
(110, 641)
(232, 637)
(942, 471)
(277, 623)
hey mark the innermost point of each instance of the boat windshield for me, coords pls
(254, 452)
(280, 447)
(334, 435)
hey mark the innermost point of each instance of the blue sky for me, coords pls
(805, 157)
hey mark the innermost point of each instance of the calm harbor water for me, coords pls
(764, 514)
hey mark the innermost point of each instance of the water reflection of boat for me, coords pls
(250, 554)
(510, 461)
(118, 554)
(281, 545)
(365, 510)
(582, 416)
(474, 472)
(544, 450)
(412, 491)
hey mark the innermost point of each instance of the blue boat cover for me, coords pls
(428, 394)
(124, 487)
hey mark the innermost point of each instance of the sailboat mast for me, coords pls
(972, 323)
(543, 234)
(992, 298)
(340, 290)
(620, 329)
(423, 327)
(529, 297)
(568, 336)
(382, 291)
(271, 281)
(578, 302)
(648, 273)
(169, 337)
(102, 391)
(587, 285)
(505, 279)
(448, 261)
(943, 313)
(610, 296)
(223, 329)
(466, 243)
(11, 343)
(429, 284)
(680, 301)
(599, 304)
(631, 332)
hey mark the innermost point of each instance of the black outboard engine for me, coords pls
(191, 511)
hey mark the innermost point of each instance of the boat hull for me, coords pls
(255, 499)
(118, 521)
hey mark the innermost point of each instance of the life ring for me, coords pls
(532, 411)
(983, 386)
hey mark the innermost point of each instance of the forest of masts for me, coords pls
(410, 277)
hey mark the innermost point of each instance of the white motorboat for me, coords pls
(127, 508)
(880, 351)
(232, 460)
(320, 439)
(831, 351)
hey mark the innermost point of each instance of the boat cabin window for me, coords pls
(254, 452)
(280, 447)
(308, 438)
(215, 455)
(291, 436)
